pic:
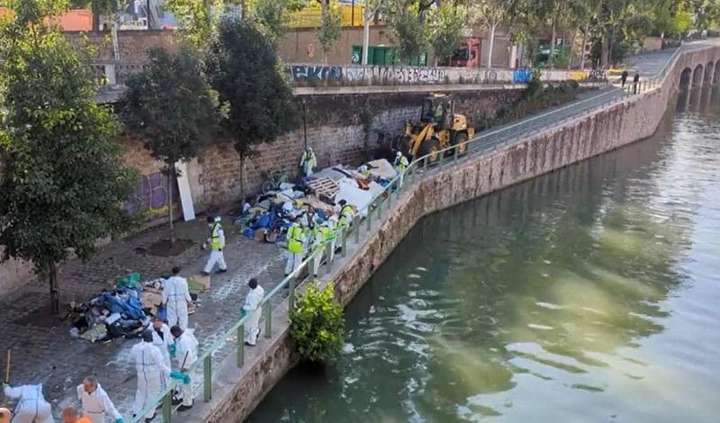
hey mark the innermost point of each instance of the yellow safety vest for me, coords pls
(215, 241)
(294, 236)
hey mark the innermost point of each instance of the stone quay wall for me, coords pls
(237, 391)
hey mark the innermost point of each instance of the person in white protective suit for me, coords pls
(151, 374)
(308, 162)
(176, 297)
(253, 308)
(31, 406)
(95, 402)
(163, 340)
(185, 355)
(216, 243)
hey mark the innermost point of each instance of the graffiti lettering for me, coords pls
(316, 72)
(150, 194)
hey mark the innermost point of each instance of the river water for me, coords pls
(588, 295)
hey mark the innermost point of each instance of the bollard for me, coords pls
(207, 377)
(167, 407)
(241, 345)
(291, 294)
(268, 319)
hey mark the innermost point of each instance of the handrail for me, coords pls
(393, 188)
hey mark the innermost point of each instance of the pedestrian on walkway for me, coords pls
(253, 308)
(401, 164)
(295, 247)
(151, 375)
(176, 297)
(71, 415)
(636, 82)
(185, 354)
(96, 402)
(623, 78)
(308, 162)
(31, 405)
(216, 243)
(162, 339)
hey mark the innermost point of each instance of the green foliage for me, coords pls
(62, 185)
(317, 324)
(446, 29)
(409, 32)
(171, 105)
(330, 29)
(243, 68)
(198, 19)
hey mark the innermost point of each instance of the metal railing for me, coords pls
(369, 217)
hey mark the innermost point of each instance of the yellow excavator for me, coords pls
(439, 128)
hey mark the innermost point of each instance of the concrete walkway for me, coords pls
(44, 352)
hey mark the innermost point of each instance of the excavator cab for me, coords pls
(439, 128)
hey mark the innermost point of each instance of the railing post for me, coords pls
(207, 377)
(167, 407)
(425, 162)
(380, 202)
(456, 152)
(241, 345)
(345, 234)
(291, 293)
(268, 318)
(356, 228)
(369, 217)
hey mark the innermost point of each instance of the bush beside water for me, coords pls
(317, 324)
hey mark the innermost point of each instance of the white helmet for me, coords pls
(399, 154)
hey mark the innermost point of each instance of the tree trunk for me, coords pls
(242, 177)
(492, 44)
(605, 52)
(552, 44)
(114, 35)
(366, 38)
(171, 178)
(54, 293)
(572, 49)
(584, 45)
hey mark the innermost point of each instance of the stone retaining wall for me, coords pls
(238, 390)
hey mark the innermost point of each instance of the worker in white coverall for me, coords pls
(185, 355)
(151, 375)
(401, 164)
(253, 308)
(163, 340)
(96, 403)
(31, 406)
(295, 247)
(176, 297)
(216, 243)
(308, 162)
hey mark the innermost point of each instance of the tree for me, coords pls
(198, 19)
(330, 27)
(372, 8)
(62, 185)
(243, 69)
(171, 105)
(447, 24)
(492, 13)
(270, 16)
(409, 30)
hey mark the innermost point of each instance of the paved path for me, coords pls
(44, 352)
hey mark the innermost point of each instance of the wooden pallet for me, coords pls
(325, 187)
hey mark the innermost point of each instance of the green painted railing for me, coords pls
(369, 218)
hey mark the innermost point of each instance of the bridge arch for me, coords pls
(686, 78)
(716, 78)
(697, 77)
(709, 73)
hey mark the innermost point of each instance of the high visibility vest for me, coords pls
(401, 164)
(346, 211)
(215, 240)
(295, 239)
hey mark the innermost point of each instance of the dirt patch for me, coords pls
(164, 248)
(42, 317)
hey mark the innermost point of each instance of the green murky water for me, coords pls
(588, 295)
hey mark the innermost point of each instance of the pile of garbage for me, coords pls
(314, 199)
(121, 312)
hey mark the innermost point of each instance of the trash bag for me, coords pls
(249, 232)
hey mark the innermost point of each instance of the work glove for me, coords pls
(243, 313)
(181, 376)
(119, 420)
(173, 350)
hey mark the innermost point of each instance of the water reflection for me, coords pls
(577, 296)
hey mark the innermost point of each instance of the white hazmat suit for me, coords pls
(163, 344)
(186, 353)
(151, 374)
(253, 308)
(97, 404)
(31, 406)
(176, 297)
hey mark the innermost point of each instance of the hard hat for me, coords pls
(398, 154)
(218, 219)
(363, 168)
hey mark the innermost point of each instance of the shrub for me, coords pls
(317, 325)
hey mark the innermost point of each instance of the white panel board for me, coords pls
(186, 200)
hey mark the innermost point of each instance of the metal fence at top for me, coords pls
(367, 219)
